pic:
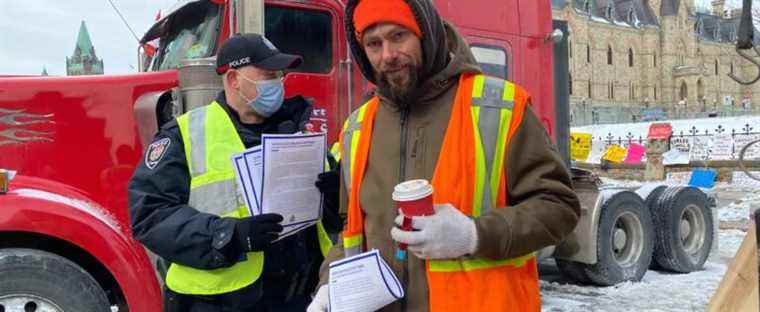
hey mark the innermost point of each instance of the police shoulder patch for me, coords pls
(156, 152)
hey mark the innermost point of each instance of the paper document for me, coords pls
(278, 177)
(675, 157)
(291, 164)
(248, 168)
(362, 283)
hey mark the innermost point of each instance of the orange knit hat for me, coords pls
(370, 12)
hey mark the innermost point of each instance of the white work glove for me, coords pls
(321, 301)
(446, 234)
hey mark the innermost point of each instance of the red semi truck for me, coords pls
(73, 142)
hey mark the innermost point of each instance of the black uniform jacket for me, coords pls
(162, 220)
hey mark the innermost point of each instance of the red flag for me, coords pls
(149, 49)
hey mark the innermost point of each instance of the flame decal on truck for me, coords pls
(12, 123)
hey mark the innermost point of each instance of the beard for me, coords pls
(400, 94)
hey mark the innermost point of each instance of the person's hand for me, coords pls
(320, 302)
(446, 234)
(328, 184)
(257, 232)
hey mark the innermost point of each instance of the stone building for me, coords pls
(638, 56)
(84, 61)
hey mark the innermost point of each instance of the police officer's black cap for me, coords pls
(253, 49)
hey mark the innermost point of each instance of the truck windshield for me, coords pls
(192, 34)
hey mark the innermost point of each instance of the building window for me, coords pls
(632, 18)
(609, 55)
(570, 83)
(699, 28)
(732, 67)
(588, 53)
(609, 12)
(716, 67)
(654, 60)
(611, 91)
(655, 92)
(589, 89)
(631, 93)
(630, 57)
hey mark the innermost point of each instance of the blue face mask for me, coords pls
(270, 95)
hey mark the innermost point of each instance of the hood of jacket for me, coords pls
(445, 54)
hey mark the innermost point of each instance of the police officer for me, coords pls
(183, 201)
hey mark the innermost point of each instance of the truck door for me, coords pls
(310, 30)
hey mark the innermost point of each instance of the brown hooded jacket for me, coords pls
(543, 207)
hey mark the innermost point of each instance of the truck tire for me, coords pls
(651, 202)
(34, 280)
(652, 198)
(684, 230)
(624, 241)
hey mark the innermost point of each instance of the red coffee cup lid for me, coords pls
(412, 190)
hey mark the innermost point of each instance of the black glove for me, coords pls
(328, 184)
(257, 232)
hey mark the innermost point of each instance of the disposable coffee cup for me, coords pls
(414, 198)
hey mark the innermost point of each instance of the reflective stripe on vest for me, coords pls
(351, 136)
(335, 151)
(210, 139)
(494, 109)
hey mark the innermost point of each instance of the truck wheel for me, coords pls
(624, 241)
(652, 198)
(575, 271)
(34, 280)
(651, 202)
(684, 230)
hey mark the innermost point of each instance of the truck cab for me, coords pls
(500, 36)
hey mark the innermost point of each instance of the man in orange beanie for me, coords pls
(396, 69)
(501, 191)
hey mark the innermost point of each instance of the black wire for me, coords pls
(124, 20)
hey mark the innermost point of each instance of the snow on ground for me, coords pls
(734, 212)
(658, 291)
(614, 183)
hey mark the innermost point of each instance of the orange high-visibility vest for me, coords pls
(470, 175)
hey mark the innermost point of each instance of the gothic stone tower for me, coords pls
(84, 61)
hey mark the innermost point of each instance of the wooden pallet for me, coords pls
(738, 291)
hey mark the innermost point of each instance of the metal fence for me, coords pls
(684, 139)
(597, 115)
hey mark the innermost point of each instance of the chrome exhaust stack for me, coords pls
(198, 83)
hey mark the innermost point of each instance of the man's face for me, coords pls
(396, 57)
(245, 78)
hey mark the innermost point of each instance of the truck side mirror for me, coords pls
(745, 41)
(145, 54)
(746, 27)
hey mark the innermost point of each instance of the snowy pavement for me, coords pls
(659, 291)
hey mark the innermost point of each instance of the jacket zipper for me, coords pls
(402, 177)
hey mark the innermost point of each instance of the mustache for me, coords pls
(401, 96)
